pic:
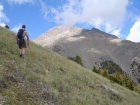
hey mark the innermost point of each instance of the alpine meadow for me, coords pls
(44, 77)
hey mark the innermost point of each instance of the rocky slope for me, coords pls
(94, 47)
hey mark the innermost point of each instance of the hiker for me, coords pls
(20, 38)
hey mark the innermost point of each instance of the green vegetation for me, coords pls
(117, 77)
(77, 59)
(111, 67)
(45, 77)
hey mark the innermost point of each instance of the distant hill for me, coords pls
(44, 77)
(94, 47)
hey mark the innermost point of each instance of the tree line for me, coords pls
(113, 72)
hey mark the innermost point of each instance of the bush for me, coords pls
(78, 59)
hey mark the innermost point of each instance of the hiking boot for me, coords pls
(20, 55)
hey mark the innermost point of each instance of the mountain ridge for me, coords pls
(91, 46)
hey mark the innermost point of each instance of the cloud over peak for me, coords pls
(134, 34)
(99, 13)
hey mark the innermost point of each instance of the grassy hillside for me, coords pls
(46, 78)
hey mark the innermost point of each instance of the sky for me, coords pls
(117, 17)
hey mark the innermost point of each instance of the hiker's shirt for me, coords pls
(25, 34)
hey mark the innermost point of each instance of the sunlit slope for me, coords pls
(44, 77)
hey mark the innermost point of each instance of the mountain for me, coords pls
(44, 77)
(94, 47)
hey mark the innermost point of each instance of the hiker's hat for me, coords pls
(23, 26)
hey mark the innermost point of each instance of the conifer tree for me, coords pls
(6, 26)
(95, 70)
(78, 60)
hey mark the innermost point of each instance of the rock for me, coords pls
(107, 88)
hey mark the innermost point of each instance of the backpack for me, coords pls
(20, 34)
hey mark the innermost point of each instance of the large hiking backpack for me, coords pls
(20, 34)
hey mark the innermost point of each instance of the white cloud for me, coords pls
(109, 14)
(19, 1)
(117, 32)
(44, 8)
(3, 17)
(134, 34)
(2, 24)
(16, 28)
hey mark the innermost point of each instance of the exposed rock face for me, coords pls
(93, 46)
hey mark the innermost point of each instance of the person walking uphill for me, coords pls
(20, 38)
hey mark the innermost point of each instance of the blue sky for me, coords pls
(117, 17)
